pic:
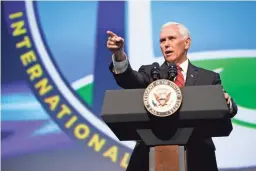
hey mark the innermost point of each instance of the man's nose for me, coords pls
(167, 43)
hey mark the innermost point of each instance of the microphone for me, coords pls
(172, 71)
(155, 72)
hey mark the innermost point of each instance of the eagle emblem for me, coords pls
(162, 98)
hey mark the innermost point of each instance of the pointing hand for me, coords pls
(116, 44)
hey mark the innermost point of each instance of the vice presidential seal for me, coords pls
(162, 98)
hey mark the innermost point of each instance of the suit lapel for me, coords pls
(192, 75)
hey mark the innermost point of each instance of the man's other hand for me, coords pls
(227, 97)
(116, 45)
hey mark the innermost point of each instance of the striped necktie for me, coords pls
(179, 80)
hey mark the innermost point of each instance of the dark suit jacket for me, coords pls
(131, 79)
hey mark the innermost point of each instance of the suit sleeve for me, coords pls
(232, 107)
(131, 79)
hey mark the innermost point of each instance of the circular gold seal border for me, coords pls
(153, 85)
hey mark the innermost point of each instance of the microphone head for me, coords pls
(172, 65)
(156, 65)
(155, 72)
(172, 71)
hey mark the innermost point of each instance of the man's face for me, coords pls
(173, 45)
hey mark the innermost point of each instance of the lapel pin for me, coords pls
(191, 75)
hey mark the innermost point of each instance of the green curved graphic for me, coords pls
(86, 93)
(236, 78)
(244, 123)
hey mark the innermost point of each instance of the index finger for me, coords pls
(111, 34)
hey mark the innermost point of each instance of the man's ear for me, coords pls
(187, 43)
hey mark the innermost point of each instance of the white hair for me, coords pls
(183, 30)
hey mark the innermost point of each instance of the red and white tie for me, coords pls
(179, 80)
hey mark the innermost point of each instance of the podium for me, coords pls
(203, 113)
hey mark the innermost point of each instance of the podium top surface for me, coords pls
(199, 103)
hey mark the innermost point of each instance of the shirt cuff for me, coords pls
(119, 67)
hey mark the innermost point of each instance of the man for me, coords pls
(175, 42)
